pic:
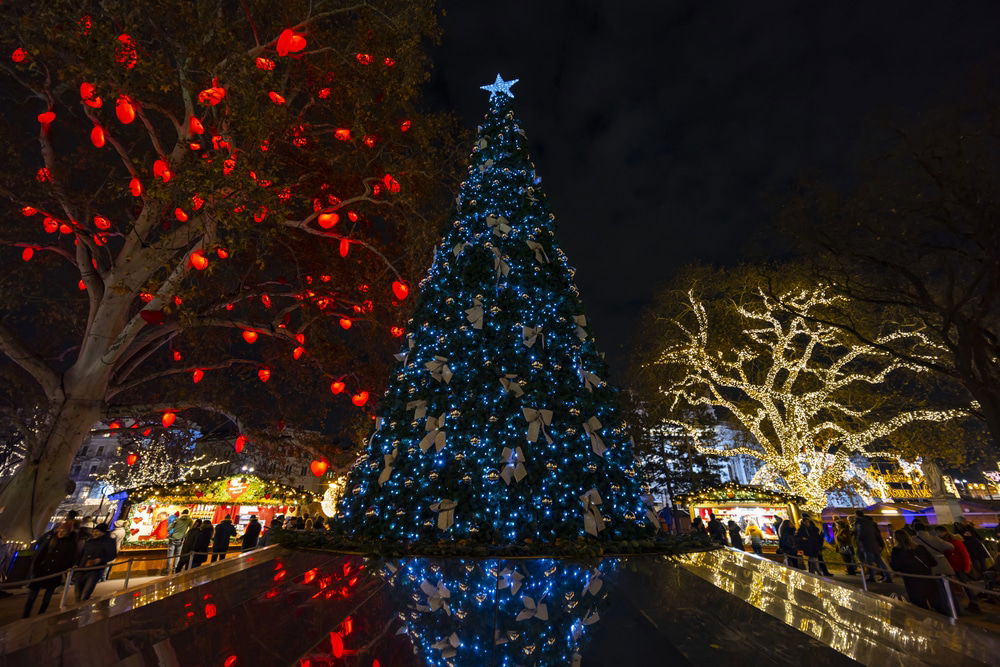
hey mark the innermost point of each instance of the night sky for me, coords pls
(669, 132)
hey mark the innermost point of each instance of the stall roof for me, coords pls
(231, 489)
(737, 493)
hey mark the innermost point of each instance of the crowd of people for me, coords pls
(917, 550)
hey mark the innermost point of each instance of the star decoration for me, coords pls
(500, 86)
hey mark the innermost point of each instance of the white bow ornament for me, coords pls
(581, 322)
(390, 459)
(537, 421)
(533, 610)
(499, 265)
(539, 251)
(511, 385)
(439, 369)
(499, 224)
(530, 334)
(435, 434)
(447, 646)
(510, 579)
(513, 465)
(446, 513)
(437, 596)
(475, 314)
(419, 408)
(593, 522)
(592, 426)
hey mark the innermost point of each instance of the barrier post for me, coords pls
(864, 579)
(951, 598)
(69, 582)
(128, 573)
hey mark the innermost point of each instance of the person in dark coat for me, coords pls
(735, 538)
(201, 543)
(806, 541)
(187, 546)
(100, 549)
(716, 530)
(870, 544)
(54, 557)
(908, 557)
(224, 532)
(786, 543)
(978, 552)
(698, 526)
(251, 534)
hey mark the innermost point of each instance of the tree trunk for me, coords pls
(33, 493)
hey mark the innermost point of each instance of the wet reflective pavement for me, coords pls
(277, 607)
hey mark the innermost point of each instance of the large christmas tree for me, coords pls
(499, 425)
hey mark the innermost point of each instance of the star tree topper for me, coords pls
(500, 86)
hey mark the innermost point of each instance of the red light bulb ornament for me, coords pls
(318, 467)
(241, 442)
(360, 398)
(290, 41)
(337, 387)
(168, 419)
(197, 376)
(327, 220)
(250, 336)
(124, 110)
(400, 289)
(27, 254)
(298, 352)
(131, 459)
(46, 118)
(135, 187)
(345, 323)
(264, 374)
(198, 260)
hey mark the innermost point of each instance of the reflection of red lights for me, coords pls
(209, 610)
(271, 593)
(279, 575)
(309, 576)
(376, 663)
(337, 644)
(229, 662)
(347, 627)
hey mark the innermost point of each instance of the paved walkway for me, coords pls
(12, 607)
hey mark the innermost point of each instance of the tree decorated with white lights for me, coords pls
(810, 395)
(499, 425)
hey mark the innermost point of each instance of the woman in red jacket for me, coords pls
(959, 560)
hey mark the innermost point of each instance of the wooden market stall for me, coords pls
(151, 509)
(744, 504)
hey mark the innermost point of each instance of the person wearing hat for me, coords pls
(100, 549)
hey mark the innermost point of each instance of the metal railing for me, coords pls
(67, 575)
(972, 590)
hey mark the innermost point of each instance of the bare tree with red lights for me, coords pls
(213, 207)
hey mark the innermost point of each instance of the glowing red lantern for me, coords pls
(180, 215)
(323, 93)
(400, 289)
(97, 136)
(336, 644)
(124, 110)
(337, 387)
(131, 459)
(276, 98)
(388, 62)
(135, 187)
(318, 467)
(19, 55)
(345, 247)
(125, 52)
(161, 170)
(28, 211)
(197, 376)
(328, 220)
(369, 140)
(176, 354)
(146, 432)
(168, 419)
(101, 222)
(405, 126)
(241, 442)
(391, 184)
(50, 225)
(264, 374)
(352, 216)
(46, 118)
(80, 285)
(195, 126)
(300, 338)
(290, 42)
(212, 96)
(264, 64)
(345, 323)
(27, 254)
(396, 332)
(364, 58)
(298, 352)
(89, 98)
(250, 336)
(342, 133)
(43, 174)
(360, 398)
(198, 260)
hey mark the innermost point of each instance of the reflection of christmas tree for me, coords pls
(499, 612)
(499, 424)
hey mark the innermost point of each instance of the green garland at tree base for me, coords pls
(668, 545)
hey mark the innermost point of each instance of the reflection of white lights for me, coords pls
(247, 468)
(888, 510)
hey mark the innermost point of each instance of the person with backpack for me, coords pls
(870, 544)
(224, 532)
(175, 538)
